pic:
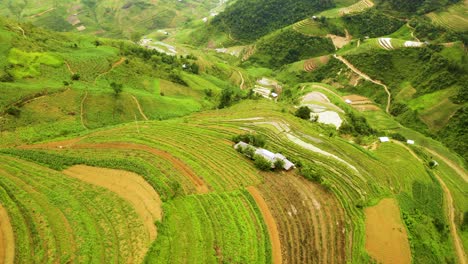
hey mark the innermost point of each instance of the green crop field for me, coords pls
(60, 219)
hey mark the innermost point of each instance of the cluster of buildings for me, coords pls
(268, 155)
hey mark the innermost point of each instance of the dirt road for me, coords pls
(82, 110)
(270, 223)
(448, 203)
(139, 108)
(241, 86)
(363, 75)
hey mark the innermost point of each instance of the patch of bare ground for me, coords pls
(7, 238)
(130, 186)
(338, 41)
(315, 96)
(270, 223)
(310, 220)
(386, 237)
(361, 103)
(363, 75)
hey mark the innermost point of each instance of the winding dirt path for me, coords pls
(412, 32)
(459, 170)
(448, 203)
(115, 64)
(241, 86)
(22, 31)
(42, 13)
(139, 107)
(451, 216)
(7, 238)
(363, 75)
(270, 223)
(82, 110)
(69, 68)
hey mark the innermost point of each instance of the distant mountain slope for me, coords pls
(416, 6)
(119, 18)
(251, 19)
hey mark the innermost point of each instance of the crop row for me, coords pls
(210, 155)
(156, 172)
(310, 220)
(212, 228)
(59, 219)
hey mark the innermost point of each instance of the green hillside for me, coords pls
(247, 131)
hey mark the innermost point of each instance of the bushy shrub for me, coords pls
(261, 163)
(252, 139)
(279, 164)
(303, 112)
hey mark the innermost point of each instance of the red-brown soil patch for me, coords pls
(386, 237)
(270, 223)
(130, 186)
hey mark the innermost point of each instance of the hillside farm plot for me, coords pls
(358, 7)
(360, 103)
(130, 186)
(7, 238)
(213, 228)
(56, 218)
(386, 238)
(310, 221)
(314, 63)
(453, 18)
(310, 27)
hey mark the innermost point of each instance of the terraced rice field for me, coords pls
(309, 214)
(309, 27)
(60, 219)
(248, 52)
(210, 213)
(312, 64)
(212, 228)
(453, 18)
(386, 43)
(361, 103)
(357, 7)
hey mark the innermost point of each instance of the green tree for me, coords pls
(75, 76)
(117, 88)
(303, 112)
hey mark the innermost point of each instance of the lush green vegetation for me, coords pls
(287, 46)
(371, 23)
(250, 19)
(417, 6)
(172, 120)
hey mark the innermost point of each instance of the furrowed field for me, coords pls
(203, 184)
